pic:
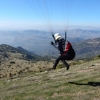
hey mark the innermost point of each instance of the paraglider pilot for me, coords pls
(66, 50)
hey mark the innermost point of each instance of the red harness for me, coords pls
(68, 45)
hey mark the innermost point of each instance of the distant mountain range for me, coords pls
(38, 42)
(87, 48)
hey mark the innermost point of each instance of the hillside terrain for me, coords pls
(22, 77)
(80, 82)
(14, 61)
(87, 48)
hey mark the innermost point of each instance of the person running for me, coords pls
(66, 50)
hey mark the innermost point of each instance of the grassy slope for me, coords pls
(80, 82)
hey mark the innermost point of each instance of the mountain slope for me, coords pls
(14, 61)
(7, 51)
(87, 48)
(80, 82)
(24, 51)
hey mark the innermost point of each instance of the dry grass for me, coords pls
(13, 67)
(80, 82)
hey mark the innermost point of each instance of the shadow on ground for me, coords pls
(89, 83)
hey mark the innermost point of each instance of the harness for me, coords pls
(67, 47)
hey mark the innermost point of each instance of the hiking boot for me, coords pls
(66, 64)
(67, 67)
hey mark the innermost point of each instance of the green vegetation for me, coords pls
(24, 79)
(80, 82)
(97, 57)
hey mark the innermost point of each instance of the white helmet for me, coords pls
(57, 36)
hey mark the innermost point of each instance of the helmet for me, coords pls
(57, 36)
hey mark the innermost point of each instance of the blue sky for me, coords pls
(49, 14)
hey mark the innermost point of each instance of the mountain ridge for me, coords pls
(38, 42)
(88, 48)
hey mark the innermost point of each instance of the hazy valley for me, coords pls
(38, 42)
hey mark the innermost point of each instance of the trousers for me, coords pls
(62, 58)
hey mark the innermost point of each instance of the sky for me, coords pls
(49, 14)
